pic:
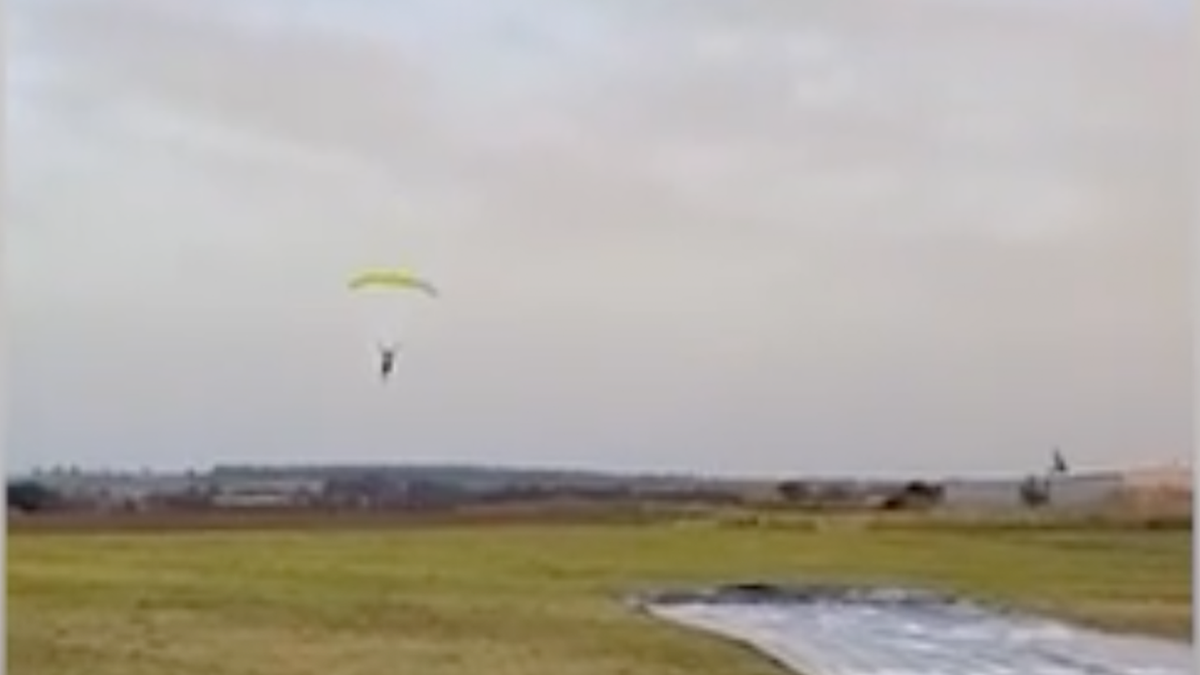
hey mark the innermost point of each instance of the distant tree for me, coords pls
(794, 491)
(30, 496)
(927, 493)
(1035, 492)
(834, 494)
(423, 494)
(914, 495)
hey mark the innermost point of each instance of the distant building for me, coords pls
(268, 491)
(1077, 491)
(981, 494)
(101, 490)
(1175, 476)
(1162, 488)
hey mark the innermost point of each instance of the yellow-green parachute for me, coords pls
(391, 278)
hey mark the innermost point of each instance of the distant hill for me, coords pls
(475, 477)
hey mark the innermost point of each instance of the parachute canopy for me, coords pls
(391, 278)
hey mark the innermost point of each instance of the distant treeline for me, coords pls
(364, 492)
(371, 492)
(31, 496)
(441, 488)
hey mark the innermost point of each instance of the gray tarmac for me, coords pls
(827, 630)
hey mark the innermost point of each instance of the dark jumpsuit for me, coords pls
(389, 360)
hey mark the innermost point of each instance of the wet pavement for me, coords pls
(828, 630)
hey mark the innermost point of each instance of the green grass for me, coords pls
(515, 599)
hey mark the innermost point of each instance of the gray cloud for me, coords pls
(934, 234)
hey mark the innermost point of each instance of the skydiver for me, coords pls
(387, 356)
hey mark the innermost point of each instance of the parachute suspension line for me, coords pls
(389, 297)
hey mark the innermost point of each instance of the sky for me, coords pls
(751, 237)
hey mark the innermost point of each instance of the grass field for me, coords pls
(502, 600)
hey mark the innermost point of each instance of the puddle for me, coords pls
(831, 630)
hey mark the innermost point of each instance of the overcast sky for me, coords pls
(735, 236)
